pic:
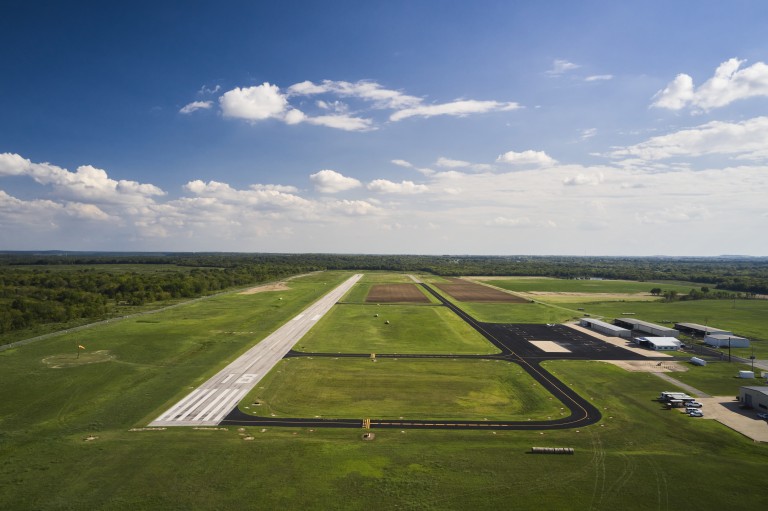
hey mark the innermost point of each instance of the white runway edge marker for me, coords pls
(208, 404)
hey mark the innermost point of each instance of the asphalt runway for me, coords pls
(208, 404)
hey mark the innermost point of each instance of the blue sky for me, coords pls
(436, 127)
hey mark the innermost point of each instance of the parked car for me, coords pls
(763, 416)
(693, 404)
(696, 413)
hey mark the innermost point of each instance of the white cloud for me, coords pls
(364, 89)
(451, 164)
(560, 66)
(294, 116)
(746, 139)
(675, 95)
(255, 103)
(458, 108)
(583, 179)
(501, 221)
(86, 183)
(528, 157)
(277, 188)
(730, 83)
(588, 133)
(403, 163)
(675, 214)
(330, 181)
(404, 187)
(342, 122)
(598, 78)
(196, 105)
(353, 207)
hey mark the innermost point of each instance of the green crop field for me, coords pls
(403, 388)
(411, 329)
(66, 441)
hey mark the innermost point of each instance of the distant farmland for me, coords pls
(396, 293)
(465, 291)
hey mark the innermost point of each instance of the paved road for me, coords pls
(213, 400)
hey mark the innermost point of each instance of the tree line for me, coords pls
(34, 289)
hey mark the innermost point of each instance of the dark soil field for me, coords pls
(396, 293)
(465, 291)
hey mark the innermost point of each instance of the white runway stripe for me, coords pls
(231, 403)
(298, 317)
(316, 317)
(225, 380)
(201, 399)
(220, 405)
(212, 404)
(171, 411)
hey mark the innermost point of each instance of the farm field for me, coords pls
(396, 293)
(403, 388)
(551, 285)
(352, 328)
(66, 439)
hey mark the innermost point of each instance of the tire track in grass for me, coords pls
(598, 459)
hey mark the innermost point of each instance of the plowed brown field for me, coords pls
(465, 291)
(396, 293)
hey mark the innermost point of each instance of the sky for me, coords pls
(538, 127)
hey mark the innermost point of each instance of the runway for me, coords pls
(208, 404)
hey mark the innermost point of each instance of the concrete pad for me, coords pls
(550, 347)
(725, 410)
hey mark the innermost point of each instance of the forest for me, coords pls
(57, 287)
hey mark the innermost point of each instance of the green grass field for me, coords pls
(411, 329)
(550, 285)
(403, 388)
(638, 457)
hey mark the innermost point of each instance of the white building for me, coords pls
(659, 343)
(754, 397)
(726, 340)
(605, 328)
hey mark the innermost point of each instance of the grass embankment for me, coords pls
(403, 388)
(411, 329)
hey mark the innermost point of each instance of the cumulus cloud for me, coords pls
(560, 66)
(675, 214)
(746, 140)
(353, 207)
(330, 181)
(255, 103)
(196, 105)
(458, 108)
(87, 182)
(730, 83)
(368, 90)
(528, 157)
(404, 187)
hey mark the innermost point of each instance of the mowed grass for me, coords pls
(412, 329)
(638, 457)
(551, 285)
(403, 388)
(717, 378)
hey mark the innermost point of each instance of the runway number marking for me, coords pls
(225, 380)
(247, 378)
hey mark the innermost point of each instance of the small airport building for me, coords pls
(699, 330)
(605, 328)
(754, 397)
(726, 341)
(659, 343)
(646, 327)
